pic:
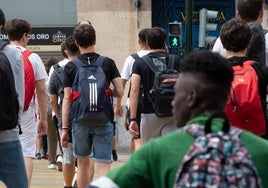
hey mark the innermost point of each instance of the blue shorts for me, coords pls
(12, 165)
(96, 139)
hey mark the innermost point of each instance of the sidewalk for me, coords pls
(45, 178)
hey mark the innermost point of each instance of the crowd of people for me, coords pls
(73, 107)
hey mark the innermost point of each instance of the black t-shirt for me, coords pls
(147, 76)
(257, 43)
(109, 68)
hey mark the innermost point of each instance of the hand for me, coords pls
(134, 128)
(118, 110)
(65, 138)
(42, 128)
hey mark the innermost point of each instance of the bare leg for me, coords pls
(91, 169)
(132, 145)
(29, 168)
(103, 168)
(38, 146)
(68, 173)
(137, 143)
(83, 174)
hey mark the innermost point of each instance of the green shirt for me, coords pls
(157, 162)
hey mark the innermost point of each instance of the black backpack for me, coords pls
(58, 71)
(162, 92)
(9, 106)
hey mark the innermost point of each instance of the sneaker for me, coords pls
(38, 156)
(52, 166)
(59, 162)
(114, 155)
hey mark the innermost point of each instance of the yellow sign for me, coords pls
(44, 48)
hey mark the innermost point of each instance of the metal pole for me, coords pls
(189, 26)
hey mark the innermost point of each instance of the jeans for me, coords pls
(12, 167)
(93, 139)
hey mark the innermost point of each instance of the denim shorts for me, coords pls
(12, 165)
(93, 138)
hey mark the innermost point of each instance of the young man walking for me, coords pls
(18, 30)
(89, 138)
(126, 75)
(151, 125)
(235, 36)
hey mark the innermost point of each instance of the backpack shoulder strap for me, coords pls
(100, 60)
(78, 62)
(2, 44)
(194, 130)
(135, 56)
(58, 70)
(150, 63)
(26, 53)
(265, 31)
(236, 132)
(171, 61)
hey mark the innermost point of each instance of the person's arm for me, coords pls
(118, 87)
(42, 106)
(66, 108)
(54, 104)
(118, 107)
(53, 94)
(134, 98)
(139, 168)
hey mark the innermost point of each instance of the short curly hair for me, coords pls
(214, 74)
(235, 35)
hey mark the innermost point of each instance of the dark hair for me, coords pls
(235, 35)
(142, 35)
(156, 37)
(2, 18)
(62, 49)
(16, 28)
(50, 62)
(249, 9)
(213, 71)
(84, 35)
(71, 46)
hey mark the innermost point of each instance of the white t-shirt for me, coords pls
(218, 47)
(127, 68)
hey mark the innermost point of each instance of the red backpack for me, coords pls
(244, 108)
(29, 79)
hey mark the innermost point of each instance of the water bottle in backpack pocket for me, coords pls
(93, 104)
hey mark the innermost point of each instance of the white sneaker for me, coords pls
(52, 166)
(59, 162)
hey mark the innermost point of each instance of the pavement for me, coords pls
(46, 178)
